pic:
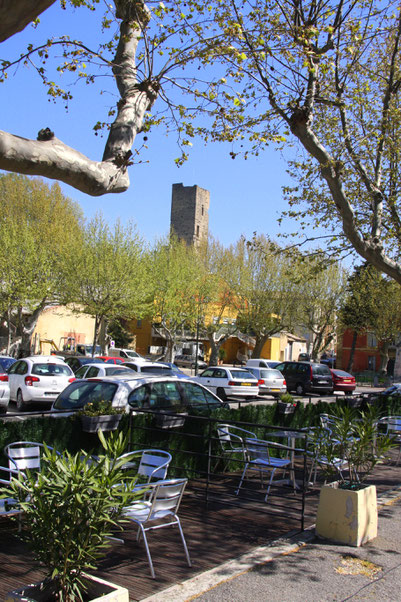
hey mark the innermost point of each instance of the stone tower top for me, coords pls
(190, 213)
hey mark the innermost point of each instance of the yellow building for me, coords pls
(58, 324)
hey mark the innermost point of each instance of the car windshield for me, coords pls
(270, 374)
(6, 362)
(51, 369)
(341, 373)
(242, 375)
(131, 353)
(117, 371)
(156, 370)
(321, 370)
(79, 393)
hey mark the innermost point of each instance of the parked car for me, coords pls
(270, 381)
(393, 391)
(146, 367)
(343, 381)
(137, 391)
(4, 390)
(306, 377)
(38, 379)
(174, 370)
(189, 361)
(229, 382)
(95, 370)
(75, 362)
(109, 360)
(261, 363)
(6, 362)
(129, 354)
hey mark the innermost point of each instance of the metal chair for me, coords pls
(162, 509)
(10, 506)
(153, 464)
(393, 429)
(232, 440)
(24, 455)
(259, 458)
(317, 439)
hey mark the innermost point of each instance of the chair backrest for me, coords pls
(167, 495)
(154, 464)
(23, 455)
(9, 472)
(327, 421)
(258, 449)
(232, 436)
(393, 423)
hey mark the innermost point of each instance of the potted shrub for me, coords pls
(286, 404)
(71, 509)
(100, 415)
(347, 511)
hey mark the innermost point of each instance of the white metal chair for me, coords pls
(24, 455)
(153, 465)
(393, 429)
(161, 508)
(9, 506)
(232, 439)
(259, 458)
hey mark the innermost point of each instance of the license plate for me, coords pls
(52, 393)
(246, 384)
(347, 380)
(275, 390)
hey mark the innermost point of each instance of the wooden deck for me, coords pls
(215, 532)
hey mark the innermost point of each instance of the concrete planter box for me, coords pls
(347, 516)
(91, 424)
(286, 408)
(98, 591)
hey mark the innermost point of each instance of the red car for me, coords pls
(342, 381)
(110, 360)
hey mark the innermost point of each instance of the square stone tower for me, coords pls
(190, 213)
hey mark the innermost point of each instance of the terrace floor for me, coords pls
(215, 532)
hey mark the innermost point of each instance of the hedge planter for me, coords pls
(347, 516)
(286, 408)
(98, 591)
(91, 424)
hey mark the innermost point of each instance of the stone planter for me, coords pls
(98, 591)
(286, 408)
(347, 516)
(165, 420)
(91, 424)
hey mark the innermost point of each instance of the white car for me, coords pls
(102, 369)
(38, 379)
(4, 390)
(229, 382)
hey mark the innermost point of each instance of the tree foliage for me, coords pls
(107, 273)
(38, 227)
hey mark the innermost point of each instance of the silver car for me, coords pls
(271, 382)
(101, 369)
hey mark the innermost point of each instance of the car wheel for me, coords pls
(300, 389)
(222, 394)
(21, 406)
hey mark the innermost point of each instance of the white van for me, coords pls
(261, 363)
(125, 353)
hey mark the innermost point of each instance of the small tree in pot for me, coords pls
(71, 507)
(347, 511)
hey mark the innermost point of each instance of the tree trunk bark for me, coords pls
(384, 357)
(259, 344)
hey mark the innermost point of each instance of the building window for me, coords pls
(197, 231)
(202, 210)
(372, 363)
(372, 340)
(139, 323)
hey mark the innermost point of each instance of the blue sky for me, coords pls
(245, 196)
